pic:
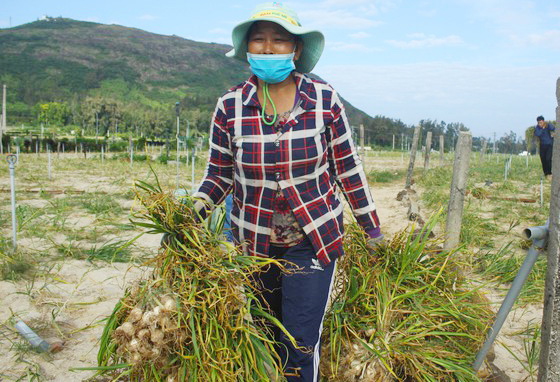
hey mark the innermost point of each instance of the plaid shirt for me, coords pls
(310, 160)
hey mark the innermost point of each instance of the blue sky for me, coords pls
(490, 64)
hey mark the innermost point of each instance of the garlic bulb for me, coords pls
(156, 336)
(155, 353)
(148, 318)
(169, 304)
(157, 311)
(144, 334)
(135, 358)
(135, 315)
(134, 345)
(126, 329)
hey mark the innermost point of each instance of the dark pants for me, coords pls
(298, 300)
(546, 158)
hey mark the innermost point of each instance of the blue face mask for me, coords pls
(271, 68)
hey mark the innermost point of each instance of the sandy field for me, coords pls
(70, 294)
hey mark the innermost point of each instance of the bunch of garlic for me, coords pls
(145, 334)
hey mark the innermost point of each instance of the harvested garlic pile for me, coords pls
(145, 333)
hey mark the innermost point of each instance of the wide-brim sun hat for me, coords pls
(313, 40)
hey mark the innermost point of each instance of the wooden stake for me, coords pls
(458, 190)
(441, 149)
(483, 151)
(428, 150)
(549, 367)
(362, 142)
(412, 156)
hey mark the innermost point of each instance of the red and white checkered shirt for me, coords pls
(310, 160)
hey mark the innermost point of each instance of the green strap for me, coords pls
(267, 95)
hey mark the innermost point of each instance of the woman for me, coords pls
(282, 142)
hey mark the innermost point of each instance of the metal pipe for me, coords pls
(538, 235)
(12, 159)
(511, 296)
(49, 155)
(192, 167)
(178, 153)
(187, 143)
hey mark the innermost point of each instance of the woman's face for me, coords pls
(266, 37)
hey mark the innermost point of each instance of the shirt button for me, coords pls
(277, 143)
(277, 176)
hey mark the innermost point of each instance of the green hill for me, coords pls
(62, 71)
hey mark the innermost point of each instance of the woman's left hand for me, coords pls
(373, 244)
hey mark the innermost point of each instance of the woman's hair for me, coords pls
(295, 37)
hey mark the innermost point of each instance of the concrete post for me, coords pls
(362, 142)
(549, 367)
(483, 151)
(393, 142)
(458, 189)
(3, 121)
(428, 150)
(412, 156)
(441, 149)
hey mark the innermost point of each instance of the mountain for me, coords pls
(115, 73)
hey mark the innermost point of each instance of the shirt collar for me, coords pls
(305, 87)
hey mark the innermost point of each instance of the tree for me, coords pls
(54, 113)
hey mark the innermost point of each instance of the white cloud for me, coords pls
(428, 12)
(349, 47)
(485, 99)
(505, 14)
(219, 31)
(147, 17)
(549, 39)
(369, 7)
(330, 18)
(420, 40)
(343, 14)
(360, 35)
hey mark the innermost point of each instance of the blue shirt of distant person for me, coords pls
(545, 132)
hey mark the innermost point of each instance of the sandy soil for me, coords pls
(69, 299)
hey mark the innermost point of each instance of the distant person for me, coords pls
(281, 142)
(545, 132)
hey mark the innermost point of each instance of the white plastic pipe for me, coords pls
(12, 159)
(33, 338)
